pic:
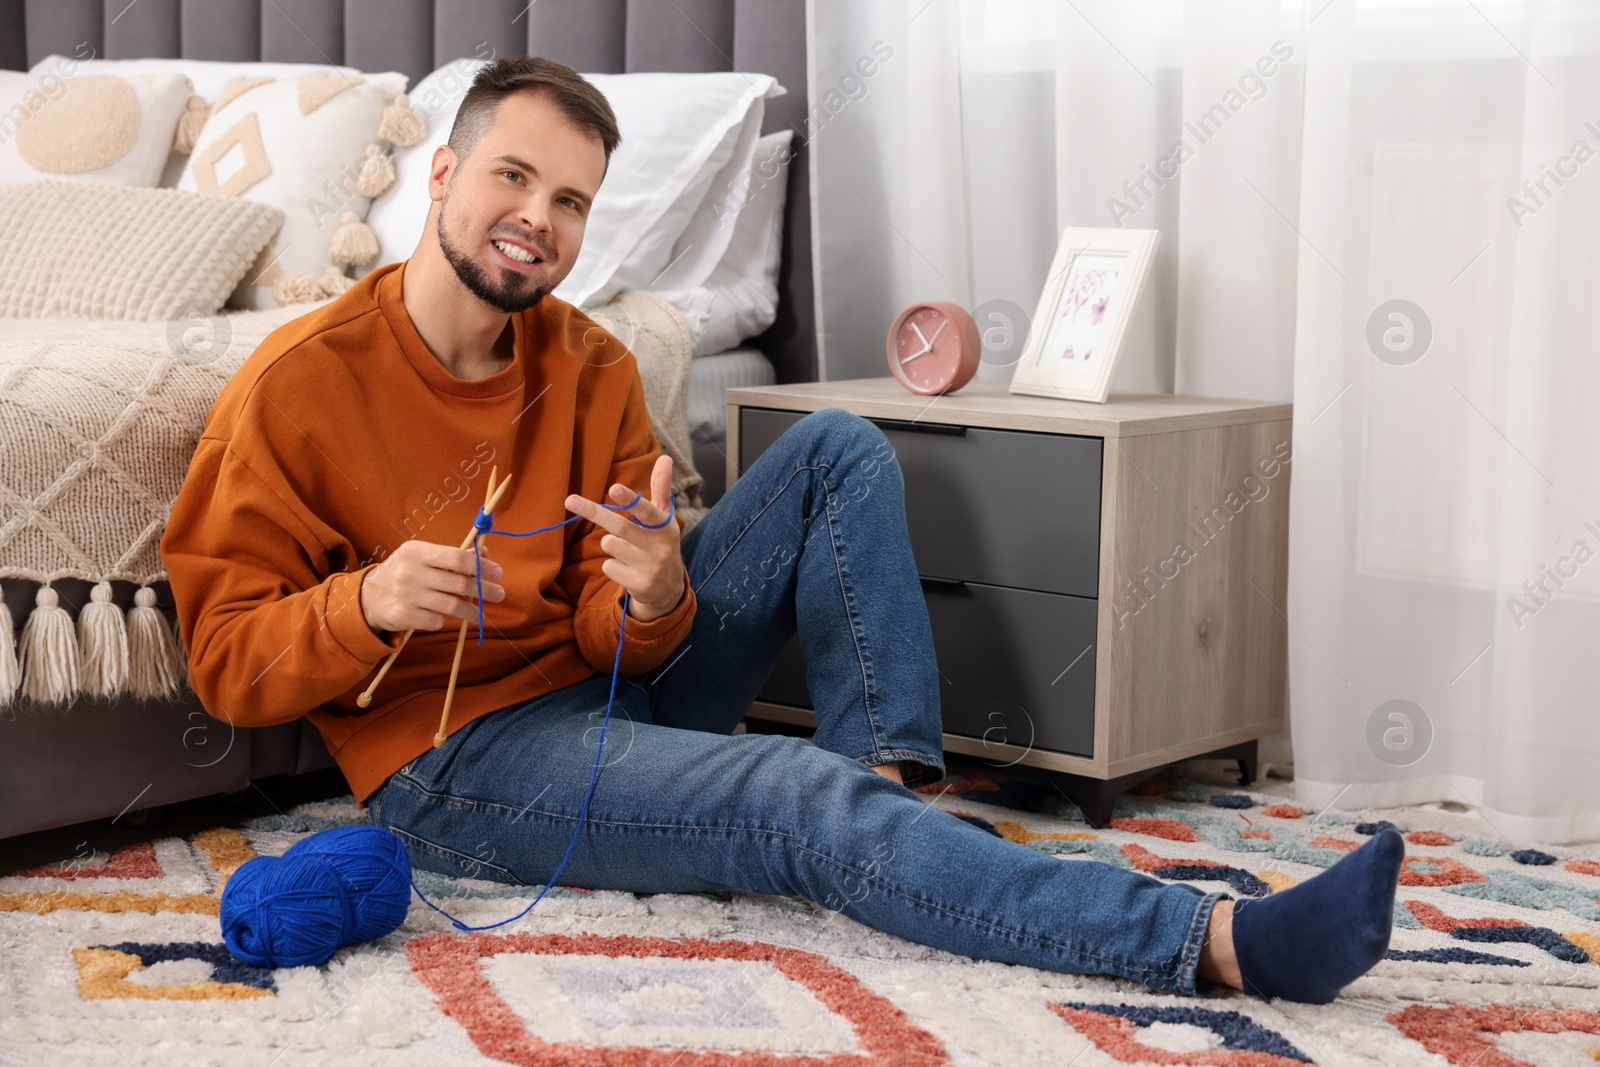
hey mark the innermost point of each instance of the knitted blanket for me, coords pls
(98, 422)
(654, 331)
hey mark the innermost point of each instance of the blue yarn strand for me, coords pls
(484, 525)
(594, 776)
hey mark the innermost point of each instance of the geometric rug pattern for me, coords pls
(118, 959)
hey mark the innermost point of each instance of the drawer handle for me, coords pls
(943, 585)
(920, 427)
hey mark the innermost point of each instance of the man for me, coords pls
(335, 439)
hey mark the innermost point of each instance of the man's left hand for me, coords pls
(645, 562)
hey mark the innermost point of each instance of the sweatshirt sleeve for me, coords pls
(269, 638)
(598, 616)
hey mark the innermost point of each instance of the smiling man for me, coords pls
(334, 433)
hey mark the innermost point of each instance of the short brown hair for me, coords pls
(569, 91)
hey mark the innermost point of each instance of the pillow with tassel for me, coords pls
(320, 147)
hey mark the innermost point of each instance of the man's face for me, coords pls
(527, 184)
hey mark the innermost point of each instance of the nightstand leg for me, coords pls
(1247, 766)
(1246, 753)
(1096, 798)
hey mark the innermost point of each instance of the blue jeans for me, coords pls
(812, 536)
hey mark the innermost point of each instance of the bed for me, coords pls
(106, 756)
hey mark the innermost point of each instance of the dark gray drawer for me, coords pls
(1004, 657)
(1001, 507)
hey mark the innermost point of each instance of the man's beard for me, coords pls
(518, 292)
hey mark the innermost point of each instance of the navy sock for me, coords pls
(1307, 943)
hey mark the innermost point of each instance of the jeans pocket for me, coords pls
(409, 771)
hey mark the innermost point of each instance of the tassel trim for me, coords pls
(353, 244)
(190, 123)
(152, 648)
(402, 123)
(105, 654)
(10, 673)
(303, 288)
(102, 644)
(377, 171)
(48, 654)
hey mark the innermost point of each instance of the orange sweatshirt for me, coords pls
(342, 437)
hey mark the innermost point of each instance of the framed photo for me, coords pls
(1084, 310)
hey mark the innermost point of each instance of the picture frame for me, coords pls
(1088, 299)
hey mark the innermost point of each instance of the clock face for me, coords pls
(926, 351)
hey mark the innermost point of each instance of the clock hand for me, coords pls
(927, 345)
(936, 333)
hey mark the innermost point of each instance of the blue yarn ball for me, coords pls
(281, 914)
(375, 869)
(339, 887)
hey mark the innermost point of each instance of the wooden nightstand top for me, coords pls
(989, 403)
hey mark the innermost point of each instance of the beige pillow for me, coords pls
(77, 249)
(319, 147)
(88, 127)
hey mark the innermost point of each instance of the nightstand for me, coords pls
(1106, 582)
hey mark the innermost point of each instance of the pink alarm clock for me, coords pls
(934, 348)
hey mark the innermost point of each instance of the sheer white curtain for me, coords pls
(1445, 509)
(1308, 164)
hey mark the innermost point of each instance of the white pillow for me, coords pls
(683, 129)
(208, 76)
(99, 128)
(740, 298)
(298, 144)
(699, 248)
(679, 132)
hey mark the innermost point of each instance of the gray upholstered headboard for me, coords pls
(418, 36)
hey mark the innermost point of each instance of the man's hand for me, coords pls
(420, 584)
(645, 562)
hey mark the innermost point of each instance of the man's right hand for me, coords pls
(420, 584)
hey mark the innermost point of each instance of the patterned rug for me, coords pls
(117, 959)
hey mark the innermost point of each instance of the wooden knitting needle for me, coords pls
(461, 638)
(365, 699)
